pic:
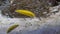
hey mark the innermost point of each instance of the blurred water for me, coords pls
(44, 30)
(47, 29)
(4, 4)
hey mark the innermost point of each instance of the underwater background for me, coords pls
(47, 23)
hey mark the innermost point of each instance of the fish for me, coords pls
(12, 28)
(26, 13)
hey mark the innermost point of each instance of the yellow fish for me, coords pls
(26, 12)
(12, 27)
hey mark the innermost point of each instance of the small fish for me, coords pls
(12, 27)
(26, 12)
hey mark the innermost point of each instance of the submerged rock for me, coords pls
(39, 7)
